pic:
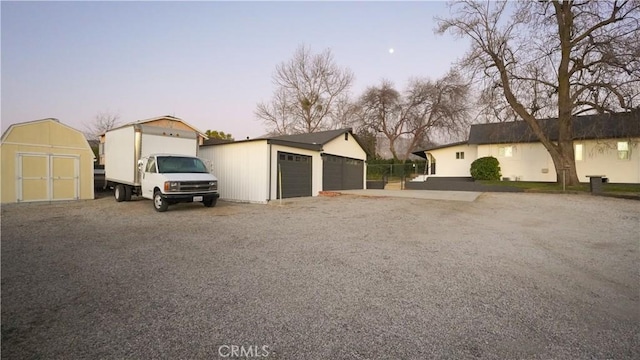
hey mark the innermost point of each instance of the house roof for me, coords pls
(599, 126)
(436, 147)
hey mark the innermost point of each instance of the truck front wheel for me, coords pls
(119, 193)
(159, 203)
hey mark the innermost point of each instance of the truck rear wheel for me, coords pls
(210, 202)
(119, 193)
(159, 203)
(127, 193)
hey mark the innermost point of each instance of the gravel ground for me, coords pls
(529, 276)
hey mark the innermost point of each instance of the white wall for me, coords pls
(448, 166)
(347, 148)
(601, 158)
(530, 161)
(242, 169)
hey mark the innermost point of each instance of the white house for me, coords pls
(259, 170)
(604, 144)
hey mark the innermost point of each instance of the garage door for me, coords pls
(295, 174)
(341, 173)
(46, 177)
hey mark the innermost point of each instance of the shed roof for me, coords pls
(35, 138)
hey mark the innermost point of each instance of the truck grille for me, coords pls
(195, 186)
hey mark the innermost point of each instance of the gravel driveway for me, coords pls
(530, 276)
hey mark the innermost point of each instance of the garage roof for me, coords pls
(310, 141)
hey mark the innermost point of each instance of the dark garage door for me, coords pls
(341, 173)
(296, 175)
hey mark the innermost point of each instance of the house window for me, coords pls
(460, 155)
(623, 150)
(505, 151)
(578, 151)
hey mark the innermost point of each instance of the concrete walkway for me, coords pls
(467, 196)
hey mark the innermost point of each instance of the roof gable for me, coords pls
(50, 132)
(599, 126)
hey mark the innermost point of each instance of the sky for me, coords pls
(208, 63)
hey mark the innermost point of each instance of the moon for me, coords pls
(391, 50)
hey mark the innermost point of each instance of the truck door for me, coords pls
(148, 177)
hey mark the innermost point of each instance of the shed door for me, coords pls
(33, 177)
(45, 177)
(341, 173)
(64, 177)
(295, 174)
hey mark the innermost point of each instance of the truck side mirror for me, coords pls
(140, 164)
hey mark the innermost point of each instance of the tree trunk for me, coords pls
(565, 168)
(392, 148)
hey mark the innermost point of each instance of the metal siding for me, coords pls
(295, 177)
(241, 170)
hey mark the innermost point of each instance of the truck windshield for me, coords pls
(179, 164)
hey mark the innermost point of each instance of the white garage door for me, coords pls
(46, 177)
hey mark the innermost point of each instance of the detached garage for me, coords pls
(45, 160)
(264, 169)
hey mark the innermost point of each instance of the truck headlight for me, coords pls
(171, 186)
(213, 185)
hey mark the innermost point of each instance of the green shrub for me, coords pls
(485, 168)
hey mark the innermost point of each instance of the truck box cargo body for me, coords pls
(125, 146)
(134, 157)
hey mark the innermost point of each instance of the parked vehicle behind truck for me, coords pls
(159, 164)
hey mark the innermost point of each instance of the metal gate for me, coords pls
(46, 177)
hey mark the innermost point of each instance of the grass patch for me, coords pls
(552, 186)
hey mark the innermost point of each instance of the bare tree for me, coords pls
(561, 58)
(426, 109)
(383, 112)
(309, 86)
(436, 109)
(103, 122)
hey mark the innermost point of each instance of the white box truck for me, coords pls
(157, 163)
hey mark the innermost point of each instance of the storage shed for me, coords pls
(45, 160)
(258, 170)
